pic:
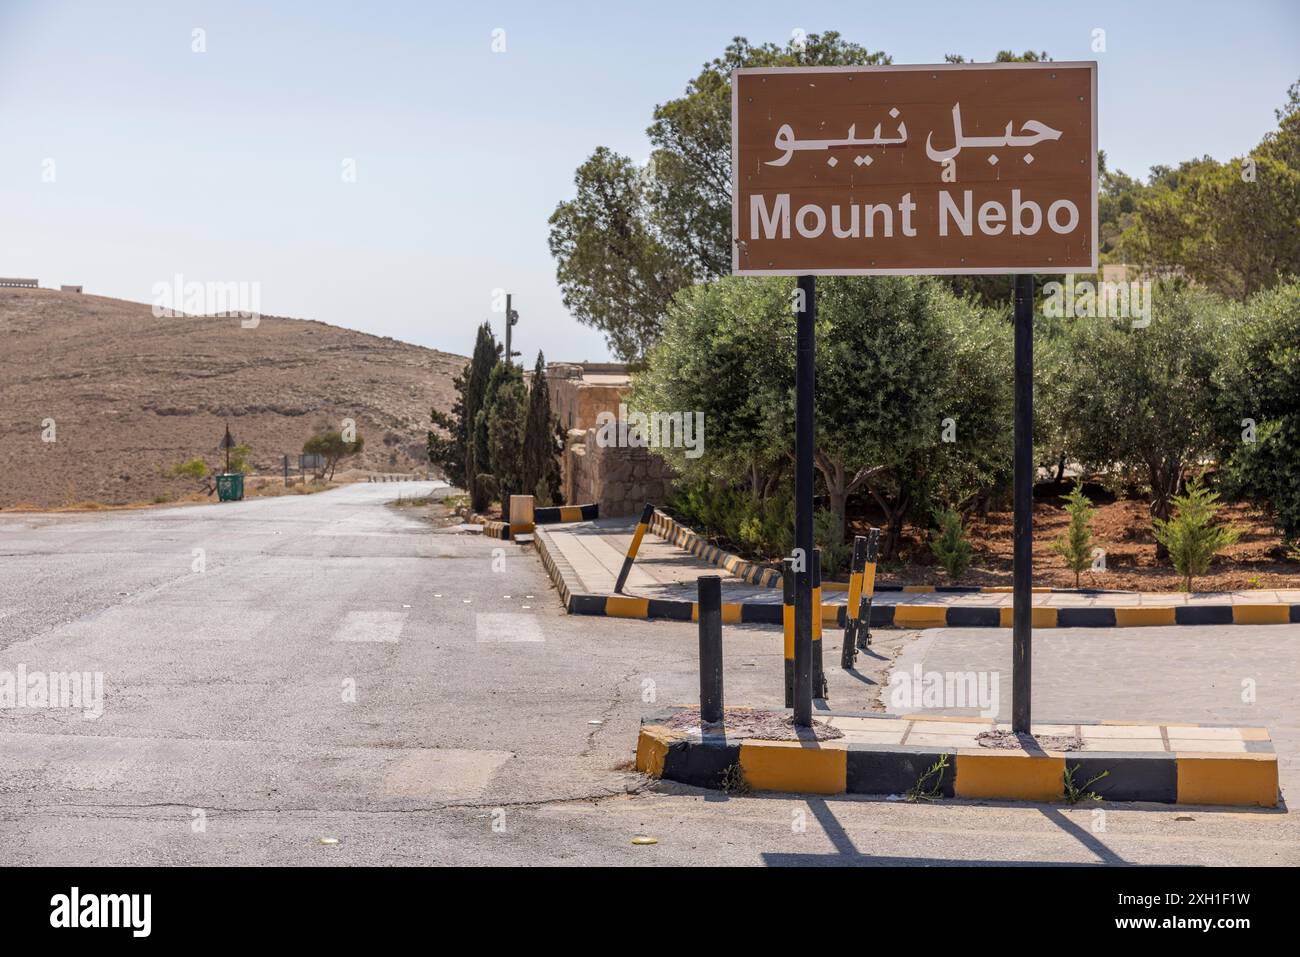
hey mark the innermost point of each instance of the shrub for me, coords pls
(331, 446)
(1075, 546)
(239, 459)
(542, 494)
(1260, 383)
(949, 544)
(830, 539)
(763, 527)
(1189, 536)
(194, 468)
(485, 483)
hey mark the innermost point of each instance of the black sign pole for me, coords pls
(1023, 532)
(805, 371)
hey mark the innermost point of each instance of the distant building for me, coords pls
(69, 289)
(20, 283)
(582, 390)
(618, 479)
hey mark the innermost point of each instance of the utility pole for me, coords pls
(512, 318)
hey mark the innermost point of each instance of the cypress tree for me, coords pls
(449, 451)
(502, 421)
(541, 472)
(1076, 546)
(478, 375)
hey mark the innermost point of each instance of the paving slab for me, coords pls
(1183, 764)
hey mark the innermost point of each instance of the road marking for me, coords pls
(371, 626)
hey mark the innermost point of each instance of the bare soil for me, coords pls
(1010, 741)
(132, 395)
(1123, 529)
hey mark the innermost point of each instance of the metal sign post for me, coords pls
(227, 443)
(943, 169)
(805, 379)
(1022, 536)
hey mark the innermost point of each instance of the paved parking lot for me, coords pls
(326, 679)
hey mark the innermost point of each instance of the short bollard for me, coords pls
(646, 514)
(863, 634)
(818, 670)
(849, 653)
(710, 597)
(862, 586)
(787, 619)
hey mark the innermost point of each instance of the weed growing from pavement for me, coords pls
(733, 781)
(418, 501)
(1076, 793)
(922, 790)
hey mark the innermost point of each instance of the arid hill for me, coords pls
(131, 395)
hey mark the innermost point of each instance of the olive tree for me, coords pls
(1143, 397)
(895, 357)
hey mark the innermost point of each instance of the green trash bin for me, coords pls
(230, 486)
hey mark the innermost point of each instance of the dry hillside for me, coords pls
(132, 395)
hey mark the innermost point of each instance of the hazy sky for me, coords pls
(227, 165)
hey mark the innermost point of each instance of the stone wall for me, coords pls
(619, 480)
(577, 401)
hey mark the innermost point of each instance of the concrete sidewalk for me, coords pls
(966, 757)
(591, 554)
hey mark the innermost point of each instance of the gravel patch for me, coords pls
(1010, 741)
(744, 723)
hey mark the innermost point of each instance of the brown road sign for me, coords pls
(959, 168)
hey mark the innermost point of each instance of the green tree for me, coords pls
(1191, 538)
(471, 427)
(895, 358)
(541, 469)
(1075, 546)
(614, 271)
(503, 418)
(948, 369)
(449, 445)
(239, 458)
(1143, 398)
(1118, 195)
(333, 448)
(631, 237)
(1004, 56)
(1260, 406)
(726, 353)
(1231, 226)
(1052, 357)
(949, 543)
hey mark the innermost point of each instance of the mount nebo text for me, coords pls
(957, 216)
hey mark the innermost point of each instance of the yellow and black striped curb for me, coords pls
(579, 602)
(553, 515)
(672, 531)
(753, 573)
(493, 529)
(1117, 616)
(1240, 779)
(557, 567)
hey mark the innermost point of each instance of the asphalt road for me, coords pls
(325, 679)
